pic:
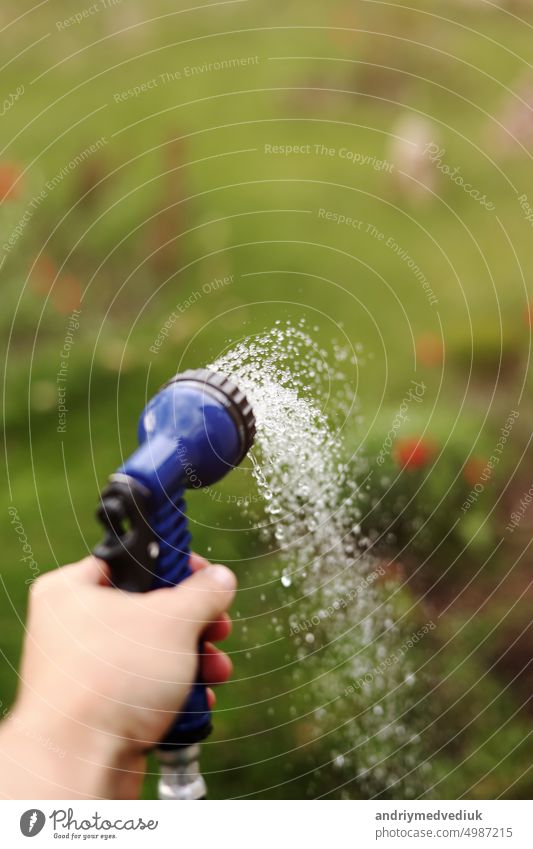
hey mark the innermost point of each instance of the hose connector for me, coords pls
(180, 778)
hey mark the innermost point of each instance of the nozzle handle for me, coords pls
(148, 550)
(129, 547)
(173, 566)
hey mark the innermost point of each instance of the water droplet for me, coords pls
(312, 504)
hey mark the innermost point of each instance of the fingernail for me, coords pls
(223, 576)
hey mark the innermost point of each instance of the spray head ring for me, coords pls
(228, 393)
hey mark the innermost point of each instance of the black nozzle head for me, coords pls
(225, 390)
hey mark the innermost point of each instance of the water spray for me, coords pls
(191, 434)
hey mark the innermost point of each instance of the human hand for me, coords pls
(103, 675)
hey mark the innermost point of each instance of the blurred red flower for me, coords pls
(474, 468)
(10, 183)
(43, 275)
(391, 571)
(65, 290)
(414, 452)
(430, 350)
(66, 294)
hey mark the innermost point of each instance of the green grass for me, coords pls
(182, 193)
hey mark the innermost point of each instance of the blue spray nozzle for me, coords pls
(191, 434)
(196, 429)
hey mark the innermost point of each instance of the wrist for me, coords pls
(55, 755)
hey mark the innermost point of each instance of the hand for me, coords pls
(103, 675)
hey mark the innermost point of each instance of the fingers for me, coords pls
(201, 599)
(219, 630)
(215, 666)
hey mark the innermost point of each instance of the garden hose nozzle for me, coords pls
(196, 429)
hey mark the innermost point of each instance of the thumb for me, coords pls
(203, 597)
(90, 570)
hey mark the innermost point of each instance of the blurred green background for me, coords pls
(151, 149)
